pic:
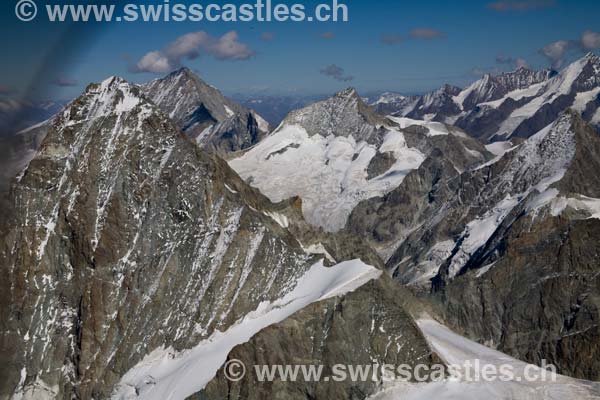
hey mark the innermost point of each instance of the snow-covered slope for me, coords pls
(532, 167)
(168, 374)
(388, 103)
(434, 105)
(434, 128)
(577, 86)
(491, 87)
(457, 350)
(332, 154)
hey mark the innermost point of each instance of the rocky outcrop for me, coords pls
(386, 221)
(542, 261)
(494, 87)
(533, 293)
(434, 105)
(344, 114)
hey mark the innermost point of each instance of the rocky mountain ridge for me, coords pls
(204, 114)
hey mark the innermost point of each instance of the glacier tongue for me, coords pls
(166, 374)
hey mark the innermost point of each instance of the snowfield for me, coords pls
(455, 349)
(328, 173)
(167, 374)
(435, 128)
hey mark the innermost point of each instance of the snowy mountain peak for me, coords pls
(185, 71)
(388, 97)
(588, 59)
(581, 76)
(112, 80)
(113, 96)
(120, 201)
(592, 56)
(449, 89)
(344, 114)
(347, 93)
(185, 75)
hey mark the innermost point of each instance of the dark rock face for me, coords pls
(386, 221)
(540, 299)
(215, 122)
(126, 237)
(438, 104)
(532, 290)
(389, 103)
(491, 87)
(544, 97)
(368, 326)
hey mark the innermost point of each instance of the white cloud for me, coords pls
(228, 47)
(336, 72)
(191, 46)
(590, 40)
(556, 51)
(188, 46)
(154, 62)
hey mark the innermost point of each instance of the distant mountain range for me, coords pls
(513, 104)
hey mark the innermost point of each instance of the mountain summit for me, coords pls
(204, 114)
(344, 114)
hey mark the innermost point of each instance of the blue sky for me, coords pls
(58, 60)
